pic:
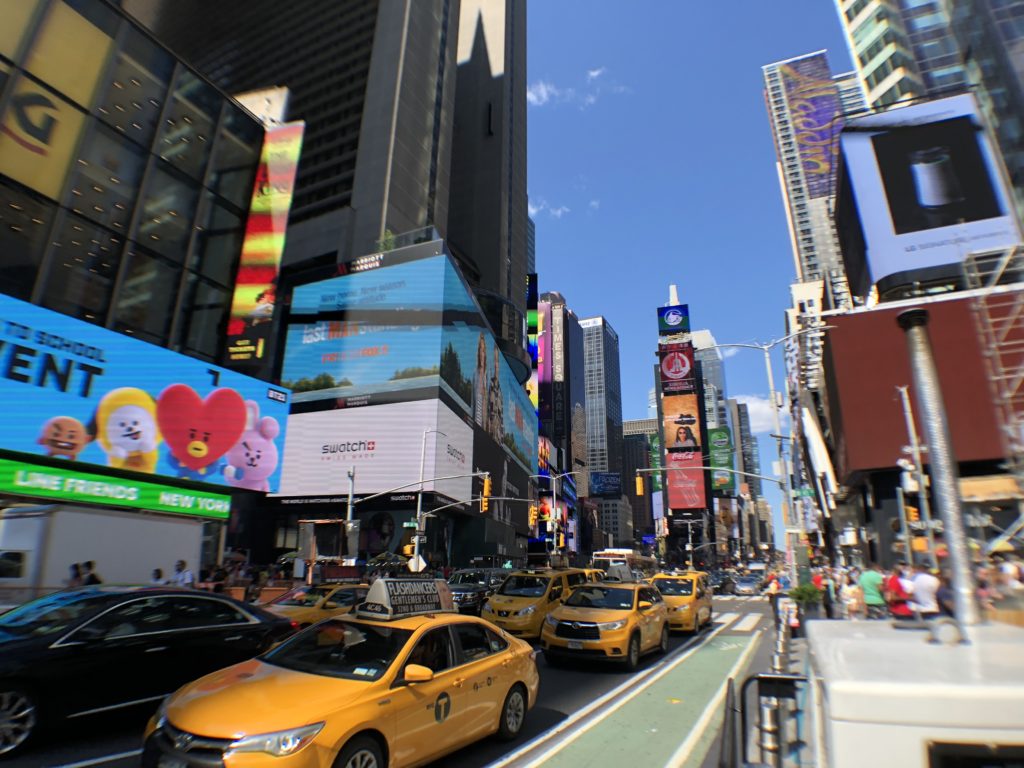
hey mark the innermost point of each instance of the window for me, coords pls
(105, 180)
(12, 565)
(204, 320)
(132, 618)
(131, 102)
(187, 133)
(145, 302)
(195, 612)
(84, 262)
(474, 644)
(234, 161)
(218, 241)
(168, 207)
(25, 223)
(433, 651)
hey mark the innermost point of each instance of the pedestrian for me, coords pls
(183, 577)
(896, 594)
(89, 575)
(944, 595)
(871, 585)
(157, 578)
(828, 594)
(852, 597)
(774, 590)
(74, 576)
(924, 587)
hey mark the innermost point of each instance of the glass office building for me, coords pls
(124, 176)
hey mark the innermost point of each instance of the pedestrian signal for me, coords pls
(913, 515)
(639, 486)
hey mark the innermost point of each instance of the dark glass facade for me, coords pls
(124, 176)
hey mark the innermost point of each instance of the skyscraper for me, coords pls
(637, 435)
(901, 49)
(604, 416)
(803, 87)
(713, 373)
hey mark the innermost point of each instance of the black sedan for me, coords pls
(472, 586)
(102, 648)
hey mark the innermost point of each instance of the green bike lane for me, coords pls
(666, 720)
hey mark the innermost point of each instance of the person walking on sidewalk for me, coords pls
(852, 597)
(923, 592)
(896, 594)
(871, 584)
(774, 590)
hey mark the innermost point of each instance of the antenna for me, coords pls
(673, 295)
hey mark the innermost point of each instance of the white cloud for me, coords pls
(535, 209)
(762, 421)
(541, 92)
(558, 212)
(593, 74)
(595, 204)
(589, 100)
(730, 351)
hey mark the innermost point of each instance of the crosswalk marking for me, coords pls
(725, 619)
(739, 598)
(747, 623)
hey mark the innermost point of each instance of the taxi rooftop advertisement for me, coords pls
(83, 394)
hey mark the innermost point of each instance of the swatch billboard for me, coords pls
(928, 186)
(80, 393)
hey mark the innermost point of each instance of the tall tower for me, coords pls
(901, 49)
(805, 105)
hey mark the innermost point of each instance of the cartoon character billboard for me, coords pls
(81, 393)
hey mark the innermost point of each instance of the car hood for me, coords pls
(507, 602)
(256, 697)
(571, 613)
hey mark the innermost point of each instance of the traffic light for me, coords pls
(486, 494)
(534, 514)
(913, 515)
(639, 485)
(409, 550)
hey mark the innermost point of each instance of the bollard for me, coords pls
(770, 736)
(778, 663)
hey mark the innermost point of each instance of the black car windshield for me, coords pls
(614, 598)
(49, 615)
(675, 587)
(341, 648)
(468, 577)
(304, 596)
(524, 586)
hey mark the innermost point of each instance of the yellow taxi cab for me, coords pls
(593, 574)
(522, 601)
(308, 604)
(401, 682)
(617, 621)
(688, 598)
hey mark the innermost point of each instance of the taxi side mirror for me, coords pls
(646, 605)
(417, 673)
(330, 606)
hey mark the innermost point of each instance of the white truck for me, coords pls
(39, 543)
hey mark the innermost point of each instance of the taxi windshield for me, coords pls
(468, 577)
(304, 596)
(524, 586)
(337, 648)
(614, 598)
(675, 587)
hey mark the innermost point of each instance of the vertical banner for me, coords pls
(813, 99)
(252, 308)
(531, 339)
(685, 480)
(655, 462)
(558, 381)
(544, 359)
(676, 368)
(720, 459)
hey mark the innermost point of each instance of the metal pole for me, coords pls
(554, 504)
(908, 551)
(914, 323)
(419, 501)
(352, 490)
(787, 506)
(922, 489)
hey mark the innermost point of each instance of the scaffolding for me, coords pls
(997, 279)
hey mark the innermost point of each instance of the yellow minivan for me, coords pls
(688, 598)
(526, 597)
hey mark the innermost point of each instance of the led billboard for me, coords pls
(681, 419)
(81, 393)
(685, 480)
(676, 364)
(720, 458)
(928, 186)
(605, 485)
(674, 318)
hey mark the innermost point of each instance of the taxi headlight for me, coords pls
(683, 608)
(279, 743)
(611, 626)
(528, 610)
(551, 620)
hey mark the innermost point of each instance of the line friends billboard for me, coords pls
(81, 393)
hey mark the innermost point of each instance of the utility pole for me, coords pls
(922, 489)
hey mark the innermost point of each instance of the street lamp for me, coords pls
(419, 498)
(788, 506)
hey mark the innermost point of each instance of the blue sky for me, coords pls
(651, 162)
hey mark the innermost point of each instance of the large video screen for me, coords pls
(80, 393)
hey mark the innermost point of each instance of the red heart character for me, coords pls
(198, 432)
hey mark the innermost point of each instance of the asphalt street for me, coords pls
(114, 741)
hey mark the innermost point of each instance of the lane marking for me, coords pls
(680, 756)
(747, 623)
(101, 760)
(725, 619)
(648, 678)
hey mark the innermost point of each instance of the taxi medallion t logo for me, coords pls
(442, 707)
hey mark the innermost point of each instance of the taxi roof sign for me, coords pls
(398, 598)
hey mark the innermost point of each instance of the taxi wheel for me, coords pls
(19, 718)
(633, 653)
(513, 713)
(361, 752)
(663, 645)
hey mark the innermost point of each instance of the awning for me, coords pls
(990, 488)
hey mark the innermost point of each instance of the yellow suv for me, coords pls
(523, 600)
(617, 621)
(688, 598)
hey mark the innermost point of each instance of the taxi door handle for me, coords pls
(156, 649)
(232, 638)
(459, 682)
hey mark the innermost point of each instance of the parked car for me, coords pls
(748, 585)
(471, 586)
(101, 648)
(722, 583)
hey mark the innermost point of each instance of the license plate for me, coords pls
(170, 762)
(576, 645)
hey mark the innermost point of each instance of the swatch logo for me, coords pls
(456, 454)
(350, 446)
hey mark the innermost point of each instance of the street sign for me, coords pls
(409, 524)
(417, 564)
(420, 537)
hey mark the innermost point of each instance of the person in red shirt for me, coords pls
(896, 594)
(818, 580)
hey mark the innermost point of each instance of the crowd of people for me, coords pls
(908, 591)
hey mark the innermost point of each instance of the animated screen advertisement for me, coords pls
(685, 479)
(720, 457)
(89, 395)
(676, 363)
(682, 417)
(674, 318)
(606, 485)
